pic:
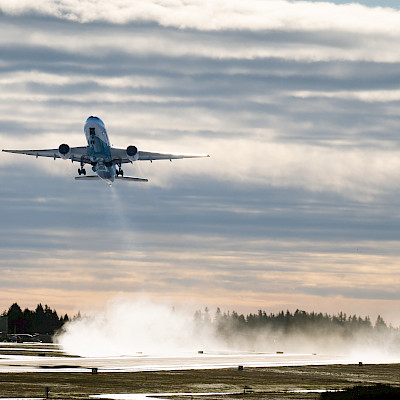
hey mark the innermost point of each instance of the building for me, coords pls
(3, 326)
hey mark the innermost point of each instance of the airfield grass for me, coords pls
(261, 383)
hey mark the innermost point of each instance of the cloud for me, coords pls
(299, 111)
(255, 29)
(221, 15)
(360, 174)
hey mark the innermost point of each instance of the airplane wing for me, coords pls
(77, 153)
(121, 156)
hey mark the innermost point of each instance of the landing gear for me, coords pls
(119, 172)
(81, 170)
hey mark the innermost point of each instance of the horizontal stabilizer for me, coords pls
(87, 178)
(119, 178)
(129, 178)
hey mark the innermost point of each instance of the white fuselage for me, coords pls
(99, 149)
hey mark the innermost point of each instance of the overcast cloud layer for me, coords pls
(298, 105)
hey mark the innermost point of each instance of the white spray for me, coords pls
(128, 327)
(131, 326)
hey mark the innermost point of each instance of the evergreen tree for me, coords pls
(39, 320)
(15, 319)
(380, 324)
(28, 321)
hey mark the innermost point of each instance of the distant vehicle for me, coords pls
(23, 338)
(103, 158)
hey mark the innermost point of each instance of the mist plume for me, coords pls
(128, 327)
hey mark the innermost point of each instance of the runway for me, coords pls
(50, 358)
(23, 368)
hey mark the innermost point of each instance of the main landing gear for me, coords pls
(81, 170)
(119, 172)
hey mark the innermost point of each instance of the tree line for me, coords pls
(229, 324)
(42, 320)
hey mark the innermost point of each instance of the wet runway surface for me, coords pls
(281, 375)
(49, 358)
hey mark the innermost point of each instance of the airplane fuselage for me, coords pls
(99, 149)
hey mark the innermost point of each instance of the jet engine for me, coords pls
(64, 151)
(132, 153)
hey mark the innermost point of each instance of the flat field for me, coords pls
(261, 383)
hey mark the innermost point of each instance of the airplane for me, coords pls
(103, 158)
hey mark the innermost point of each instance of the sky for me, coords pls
(297, 102)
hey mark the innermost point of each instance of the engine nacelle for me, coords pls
(64, 151)
(132, 153)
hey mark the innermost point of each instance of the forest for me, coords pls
(42, 320)
(45, 320)
(298, 331)
(287, 322)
